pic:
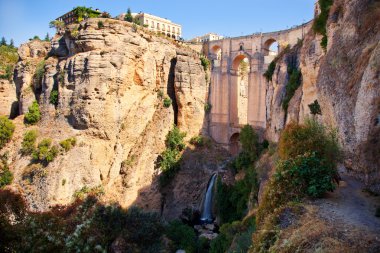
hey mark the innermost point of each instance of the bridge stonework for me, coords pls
(225, 56)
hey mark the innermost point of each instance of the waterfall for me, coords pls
(206, 216)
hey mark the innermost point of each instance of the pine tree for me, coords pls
(47, 37)
(128, 16)
(12, 43)
(3, 42)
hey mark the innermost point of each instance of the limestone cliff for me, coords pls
(111, 81)
(344, 80)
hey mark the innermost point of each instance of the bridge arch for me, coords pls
(234, 144)
(271, 47)
(217, 52)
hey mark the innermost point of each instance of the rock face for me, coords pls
(8, 99)
(344, 80)
(111, 82)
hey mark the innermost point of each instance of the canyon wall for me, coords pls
(344, 80)
(111, 82)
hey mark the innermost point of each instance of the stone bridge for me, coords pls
(236, 100)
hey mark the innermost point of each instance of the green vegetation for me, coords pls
(47, 37)
(45, 153)
(208, 108)
(8, 60)
(171, 156)
(237, 231)
(86, 191)
(33, 115)
(100, 24)
(315, 108)
(160, 94)
(83, 12)
(6, 176)
(205, 62)
(40, 71)
(182, 236)
(167, 102)
(270, 71)
(200, 141)
(54, 97)
(291, 87)
(68, 143)
(232, 200)
(57, 24)
(128, 17)
(7, 129)
(84, 226)
(320, 22)
(28, 144)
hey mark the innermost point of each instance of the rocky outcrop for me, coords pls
(8, 99)
(345, 81)
(111, 82)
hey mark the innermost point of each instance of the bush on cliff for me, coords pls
(7, 129)
(291, 87)
(170, 158)
(6, 176)
(28, 144)
(45, 153)
(320, 22)
(33, 115)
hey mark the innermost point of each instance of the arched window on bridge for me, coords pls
(240, 83)
(217, 52)
(271, 48)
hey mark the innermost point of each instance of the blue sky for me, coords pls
(22, 19)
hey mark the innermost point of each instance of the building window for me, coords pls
(163, 27)
(152, 24)
(168, 29)
(158, 26)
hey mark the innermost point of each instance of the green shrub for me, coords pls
(232, 200)
(291, 87)
(54, 97)
(128, 17)
(205, 63)
(182, 236)
(315, 108)
(249, 141)
(311, 137)
(167, 102)
(29, 142)
(100, 24)
(7, 129)
(270, 71)
(320, 22)
(222, 243)
(171, 156)
(44, 152)
(85, 191)
(200, 141)
(68, 143)
(175, 139)
(8, 60)
(208, 108)
(6, 176)
(40, 71)
(33, 115)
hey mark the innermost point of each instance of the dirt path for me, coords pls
(351, 207)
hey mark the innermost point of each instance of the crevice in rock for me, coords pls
(171, 89)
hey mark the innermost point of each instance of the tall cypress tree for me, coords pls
(3, 42)
(128, 16)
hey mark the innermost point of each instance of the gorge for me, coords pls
(125, 140)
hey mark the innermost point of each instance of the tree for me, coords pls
(12, 43)
(3, 42)
(47, 37)
(6, 130)
(57, 24)
(315, 108)
(128, 16)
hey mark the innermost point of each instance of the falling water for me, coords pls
(206, 216)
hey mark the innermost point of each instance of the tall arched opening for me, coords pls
(239, 90)
(217, 52)
(271, 48)
(234, 144)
